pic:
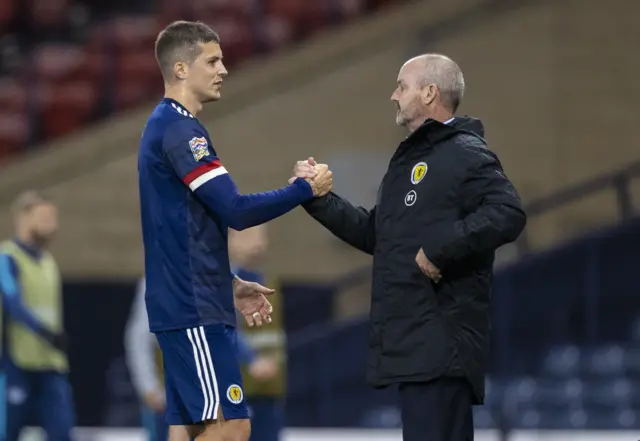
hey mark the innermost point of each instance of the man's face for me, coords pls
(407, 96)
(206, 73)
(42, 222)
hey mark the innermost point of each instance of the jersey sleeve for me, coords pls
(187, 149)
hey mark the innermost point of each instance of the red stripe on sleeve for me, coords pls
(199, 171)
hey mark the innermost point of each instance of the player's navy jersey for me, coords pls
(187, 203)
(186, 257)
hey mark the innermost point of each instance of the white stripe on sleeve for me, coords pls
(206, 177)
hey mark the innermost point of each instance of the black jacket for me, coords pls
(446, 193)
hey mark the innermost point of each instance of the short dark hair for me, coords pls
(180, 42)
(27, 201)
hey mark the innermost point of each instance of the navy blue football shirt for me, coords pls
(187, 202)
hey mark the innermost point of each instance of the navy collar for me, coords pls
(31, 250)
(177, 107)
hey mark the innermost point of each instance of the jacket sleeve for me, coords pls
(494, 214)
(354, 225)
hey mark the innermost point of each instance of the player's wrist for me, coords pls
(306, 186)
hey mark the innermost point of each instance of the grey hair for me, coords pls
(446, 75)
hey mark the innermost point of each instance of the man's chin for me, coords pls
(214, 96)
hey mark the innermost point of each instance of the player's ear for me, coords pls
(181, 70)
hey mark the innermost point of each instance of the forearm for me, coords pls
(354, 225)
(10, 288)
(19, 312)
(240, 211)
(479, 233)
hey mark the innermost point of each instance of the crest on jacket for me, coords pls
(418, 172)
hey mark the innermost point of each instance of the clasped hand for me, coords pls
(318, 175)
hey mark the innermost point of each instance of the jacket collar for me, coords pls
(434, 131)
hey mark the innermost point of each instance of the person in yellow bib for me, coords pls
(33, 364)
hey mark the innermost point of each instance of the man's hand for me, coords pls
(321, 178)
(427, 267)
(155, 401)
(263, 368)
(304, 169)
(323, 182)
(250, 300)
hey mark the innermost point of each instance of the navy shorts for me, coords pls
(202, 374)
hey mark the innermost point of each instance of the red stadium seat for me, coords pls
(133, 32)
(8, 10)
(66, 106)
(275, 32)
(13, 95)
(49, 13)
(236, 36)
(14, 133)
(306, 17)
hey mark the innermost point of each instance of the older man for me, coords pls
(443, 208)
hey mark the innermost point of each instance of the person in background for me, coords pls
(262, 351)
(34, 364)
(144, 361)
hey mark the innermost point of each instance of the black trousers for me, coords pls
(438, 410)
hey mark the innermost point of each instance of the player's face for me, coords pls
(407, 96)
(207, 72)
(43, 220)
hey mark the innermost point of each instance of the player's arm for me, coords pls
(12, 299)
(195, 163)
(354, 225)
(494, 213)
(139, 345)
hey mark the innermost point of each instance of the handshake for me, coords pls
(317, 175)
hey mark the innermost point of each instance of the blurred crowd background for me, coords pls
(555, 83)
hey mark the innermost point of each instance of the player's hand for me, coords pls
(155, 401)
(263, 368)
(250, 300)
(427, 267)
(323, 182)
(304, 169)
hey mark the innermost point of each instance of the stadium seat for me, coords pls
(66, 106)
(14, 132)
(563, 361)
(610, 392)
(605, 360)
(133, 33)
(305, 17)
(13, 93)
(237, 35)
(67, 62)
(8, 9)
